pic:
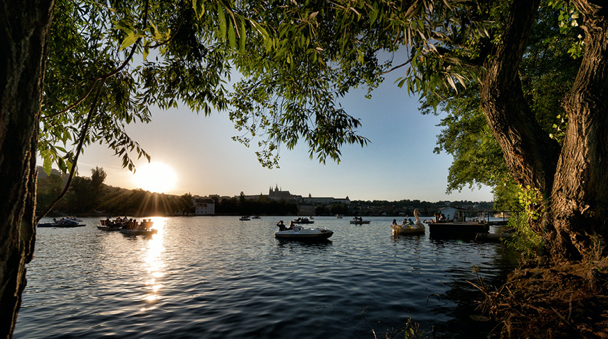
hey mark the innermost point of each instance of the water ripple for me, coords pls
(217, 277)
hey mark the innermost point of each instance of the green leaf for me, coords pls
(128, 41)
(231, 36)
(199, 8)
(360, 57)
(243, 37)
(222, 21)
(47, 164)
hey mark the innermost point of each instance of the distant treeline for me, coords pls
(90, 196)
(407, 207)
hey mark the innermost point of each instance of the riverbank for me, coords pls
(560, 301)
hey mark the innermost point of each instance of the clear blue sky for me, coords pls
(399, 163)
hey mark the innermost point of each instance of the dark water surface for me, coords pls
(218, 277)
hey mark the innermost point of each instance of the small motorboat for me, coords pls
(111, 228)
(109, 225)
(61, 223)
(406, 229)
(303, 221)
(300, 233)
(359, 221)
(244, 218)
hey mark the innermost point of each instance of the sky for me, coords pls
(397, 164)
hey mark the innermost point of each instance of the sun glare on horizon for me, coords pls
(155, 177)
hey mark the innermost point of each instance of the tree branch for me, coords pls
(108, 75)
(82, 137)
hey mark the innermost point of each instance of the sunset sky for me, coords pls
(399, 163)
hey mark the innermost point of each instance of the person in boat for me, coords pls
(395, 222)
(290, 225)
(281, 226)
(410, 222)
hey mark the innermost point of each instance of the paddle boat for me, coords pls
(298, 232)
(406, 229)
(61, 223)
(109, 225)
(132, 227)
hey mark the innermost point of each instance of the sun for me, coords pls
(155, 177)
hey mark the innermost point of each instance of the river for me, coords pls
(218, 277)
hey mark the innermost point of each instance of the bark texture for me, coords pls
(573, 178)
(579, 199)
(529, 152)
(24, 31)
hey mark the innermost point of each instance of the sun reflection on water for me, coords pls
(154, 263)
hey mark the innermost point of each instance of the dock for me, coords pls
(468, 229)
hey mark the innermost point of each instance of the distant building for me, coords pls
(457, 214)
(277, 195)
(325, 201)
(306, 206)
(203, 206)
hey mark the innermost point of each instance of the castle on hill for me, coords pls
(277, 194)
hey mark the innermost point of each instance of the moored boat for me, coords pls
(465, 229)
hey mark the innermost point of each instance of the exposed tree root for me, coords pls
(559, 301)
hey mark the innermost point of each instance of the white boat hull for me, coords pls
(301, 233)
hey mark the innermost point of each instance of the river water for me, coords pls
(218, 277)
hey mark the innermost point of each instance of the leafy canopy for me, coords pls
(111, 61)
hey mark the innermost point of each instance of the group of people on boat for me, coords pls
(405, 222)
(282, 226)
(65, 221)
(440, 217)
(132, 224)
(127, 223)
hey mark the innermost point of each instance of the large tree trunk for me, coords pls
(24, 31)
(574, 178)
(579, 199)
(529, 152)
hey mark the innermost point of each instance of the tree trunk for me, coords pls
(579, 199)
(573, 178)
(25, 27)
(529, 152)
(531, 155)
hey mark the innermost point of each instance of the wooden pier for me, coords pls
(457, 229)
